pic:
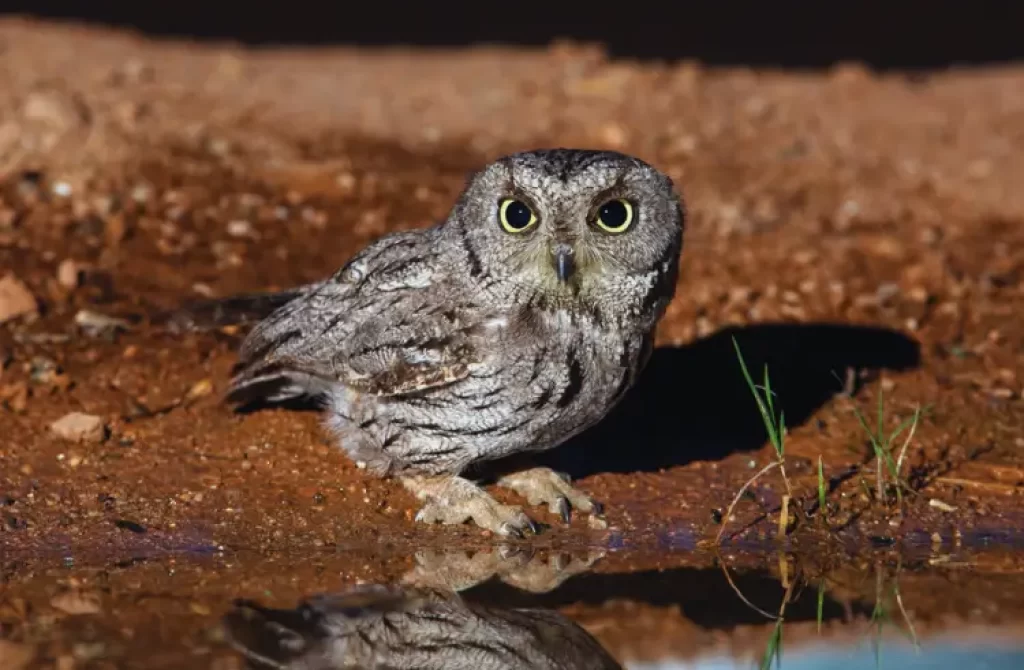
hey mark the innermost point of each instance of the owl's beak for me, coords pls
(562, 255)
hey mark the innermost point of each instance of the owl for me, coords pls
(377, 626)
(506, 329)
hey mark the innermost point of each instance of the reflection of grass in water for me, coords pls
(880, 616)
(821, 602)
(773, 652)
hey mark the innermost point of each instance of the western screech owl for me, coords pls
(510, 327)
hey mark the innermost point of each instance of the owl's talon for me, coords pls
(563, 509)
(545, 486)
(598, 508)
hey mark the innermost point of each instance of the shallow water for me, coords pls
(513, 607)
(856, 657)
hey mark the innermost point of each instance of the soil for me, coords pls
(861, 235)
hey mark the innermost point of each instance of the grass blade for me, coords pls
(773, 652)
(766, 417)
(739, 494)
(821, 603)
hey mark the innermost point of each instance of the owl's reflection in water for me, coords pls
(422, 624)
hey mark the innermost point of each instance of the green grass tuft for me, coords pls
(776, 428)
(774, 425)
(882, 444)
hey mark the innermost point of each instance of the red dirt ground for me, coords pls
(855, 231)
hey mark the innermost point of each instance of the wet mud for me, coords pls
(860, 235)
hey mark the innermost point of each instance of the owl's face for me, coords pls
(569, 226)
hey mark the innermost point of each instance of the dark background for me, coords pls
(886, 35)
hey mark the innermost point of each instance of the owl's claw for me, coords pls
(545, 486)
(454, 500)
(563, 509)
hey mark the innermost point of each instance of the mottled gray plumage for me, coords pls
(395, 628)
(435, 349)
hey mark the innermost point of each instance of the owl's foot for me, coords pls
(545, 486)
(454, 500)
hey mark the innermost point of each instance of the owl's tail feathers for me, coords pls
(273, 383)
(237, 310)
(273, 366)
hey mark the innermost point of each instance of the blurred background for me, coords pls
(803, 35)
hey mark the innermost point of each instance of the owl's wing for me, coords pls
(384, 325)
(423, 346)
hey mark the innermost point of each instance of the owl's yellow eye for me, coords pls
(515, 215)
(615, 216)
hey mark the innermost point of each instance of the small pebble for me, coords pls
(200, 389)
(939, 505)
(240, 228)
(79, 427)
(15, 299)
(95, 324)
(69, 274)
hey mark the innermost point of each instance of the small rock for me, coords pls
(69, 274)
(95, 324)
(42, 370)
(886, 292)
(14, 397)
(53, 108)
(940, 505)
(200, 609)
(200, 389)
(79, 427)
(15, 299)
(240, 228)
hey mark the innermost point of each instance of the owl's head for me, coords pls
(567, 228)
